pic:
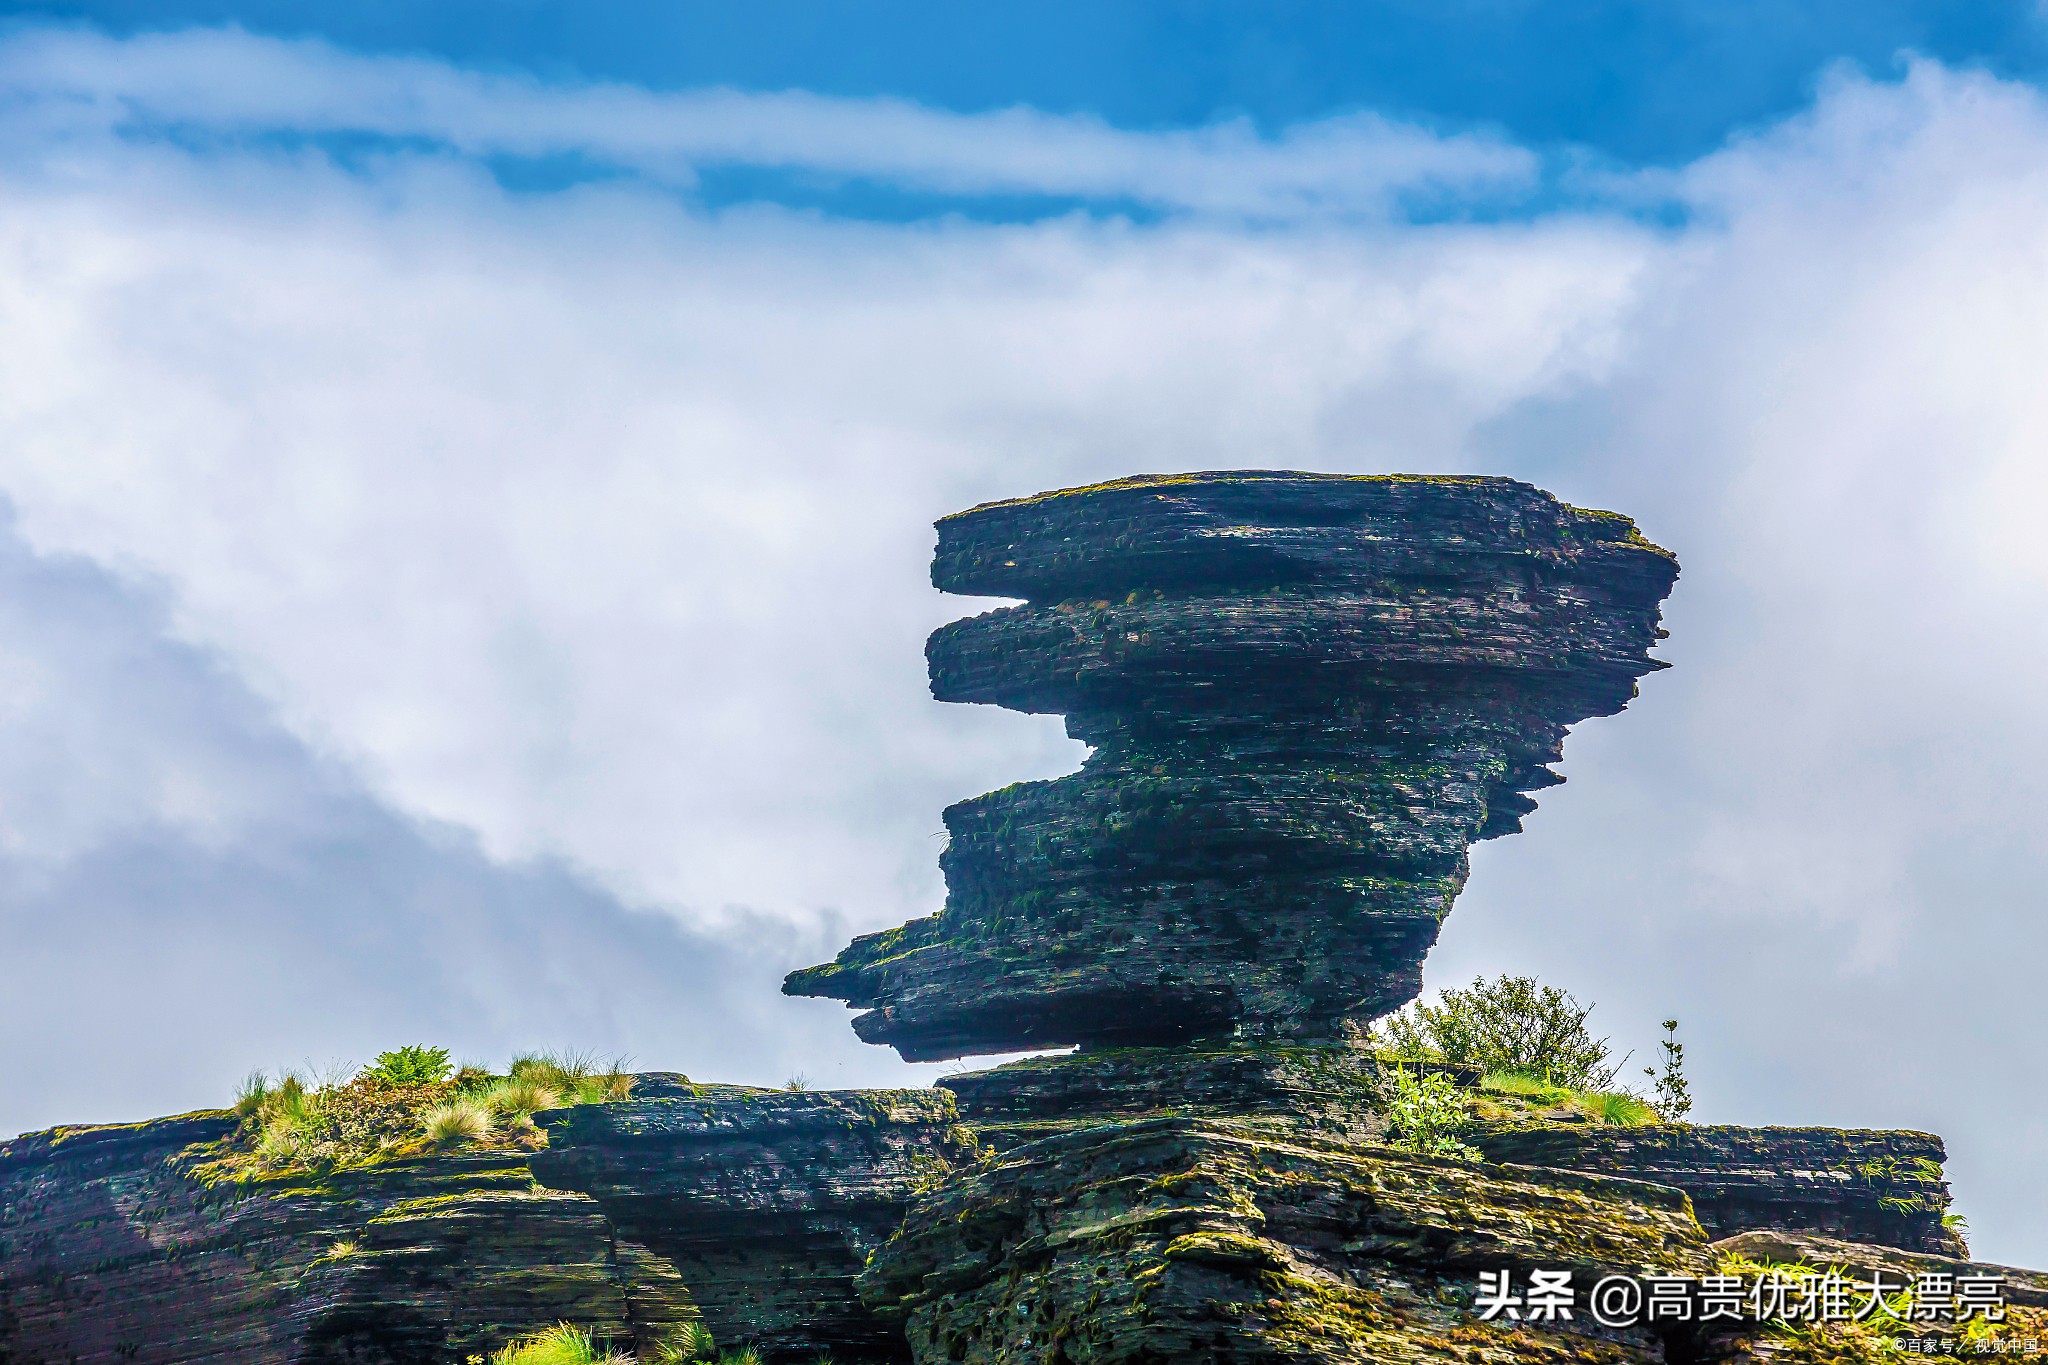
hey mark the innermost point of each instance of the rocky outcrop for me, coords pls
(767, 1202)
(1328, 1091)
(145, 1243)
(1196, 1240)
(1882, 1187)
(1307, 696)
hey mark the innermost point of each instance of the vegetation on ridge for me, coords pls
(1532, 1041)
(410, 1100)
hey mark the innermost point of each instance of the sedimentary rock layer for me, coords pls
(1333, 1092)
(1194, 1239)
(1862, 1185)
(766, 1203)
(1307, 696)
(128, 1243)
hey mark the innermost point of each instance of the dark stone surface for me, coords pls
(132, 1243)
(1329, 1091)
(766, 1202)
(1199, 1240)
(1861, 1185)
(1307, 696)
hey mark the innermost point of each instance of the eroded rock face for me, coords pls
(128, 1243)
(1195, 1239)
(767, 1203)
(1307, 696)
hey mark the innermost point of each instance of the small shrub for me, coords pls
(1511, 1024)
(411, 1065)
(1426, 1115)
(457, 1121)
(797, 1082)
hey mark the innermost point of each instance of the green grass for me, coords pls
(1617, 1107)
(557, 1345)
(459, 1120)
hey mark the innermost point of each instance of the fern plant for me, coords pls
(411, 1065)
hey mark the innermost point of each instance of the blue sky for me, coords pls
(1642, 82)
(471, 469)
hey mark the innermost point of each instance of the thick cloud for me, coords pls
(186, 893)
(593, 529)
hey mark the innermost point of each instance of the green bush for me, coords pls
(1511, 1024)
(411, 1065)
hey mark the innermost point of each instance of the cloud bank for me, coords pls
(566, 552)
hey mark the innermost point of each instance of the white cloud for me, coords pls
(226, 83)
(187, 893)
(599, 527)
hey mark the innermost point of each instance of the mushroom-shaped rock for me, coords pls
(1307, 695)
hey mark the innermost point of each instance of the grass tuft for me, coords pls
(519, 1098)
(561, 1344)
(457, 1121)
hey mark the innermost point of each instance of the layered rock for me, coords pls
(1197, 1240)
(137, 1243)
(1307, 695)
(767, 1203)
(1883, 1187)
(1333, 1092)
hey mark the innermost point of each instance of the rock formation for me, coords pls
(1192, 1240)
(767, 1203)
(1307, 695)
(129, 1243)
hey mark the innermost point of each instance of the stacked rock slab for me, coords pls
(1307, 695)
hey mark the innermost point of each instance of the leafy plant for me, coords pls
(1511, 1024)
(1673, 1094)
(410, 1065)
(1426, 1114)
